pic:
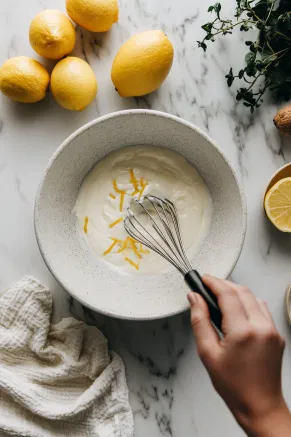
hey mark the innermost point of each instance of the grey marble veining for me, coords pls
(170, 392)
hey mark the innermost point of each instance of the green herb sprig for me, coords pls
(268, 61)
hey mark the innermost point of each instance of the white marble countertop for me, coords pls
(169, 390)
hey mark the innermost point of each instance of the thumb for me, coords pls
(206, 336)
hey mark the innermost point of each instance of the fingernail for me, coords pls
(192, 298)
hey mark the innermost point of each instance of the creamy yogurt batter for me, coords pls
(129, 173)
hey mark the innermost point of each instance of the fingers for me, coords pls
(265, 310)
(206, 336)
(252, 308)
(267, 314)
(255, 309)
(233, 312)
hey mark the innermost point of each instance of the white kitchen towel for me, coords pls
(56, 380)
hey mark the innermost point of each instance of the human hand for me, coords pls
(244, 365)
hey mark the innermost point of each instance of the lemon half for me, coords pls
(278, 205)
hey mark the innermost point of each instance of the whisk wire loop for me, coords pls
(144, 237)
(166, 225)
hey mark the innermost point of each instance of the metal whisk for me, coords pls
(162, 234)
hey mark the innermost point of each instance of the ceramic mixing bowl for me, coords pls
(87, 277)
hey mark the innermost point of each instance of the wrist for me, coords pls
(271, 423)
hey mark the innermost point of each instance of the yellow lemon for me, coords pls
(142, 63)
(24, 80)
(73, 83)
(93, 15)
(278, 205)
(52, 34)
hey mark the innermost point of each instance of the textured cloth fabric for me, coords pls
(56, 380)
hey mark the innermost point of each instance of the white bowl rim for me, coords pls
(75, 134)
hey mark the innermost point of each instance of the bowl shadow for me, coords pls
(278, 239)
(157, 344)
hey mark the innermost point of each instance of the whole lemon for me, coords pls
(73, 83)
(142, 63)
(52, 34)
(93, 15)
(24, 80)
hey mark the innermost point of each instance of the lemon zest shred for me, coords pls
(145, 251)
(86, 224)
(133, 179)
(136, 266)
(142, 181)
(142, 250)
(112, 196)
(115, 241)
(124, 245)
(133, 246)
(115, 187)
(134, 192)
(116, 222)
(129, 243)
(142, 190)
(122, 194)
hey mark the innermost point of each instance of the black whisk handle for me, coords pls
(195, 283)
